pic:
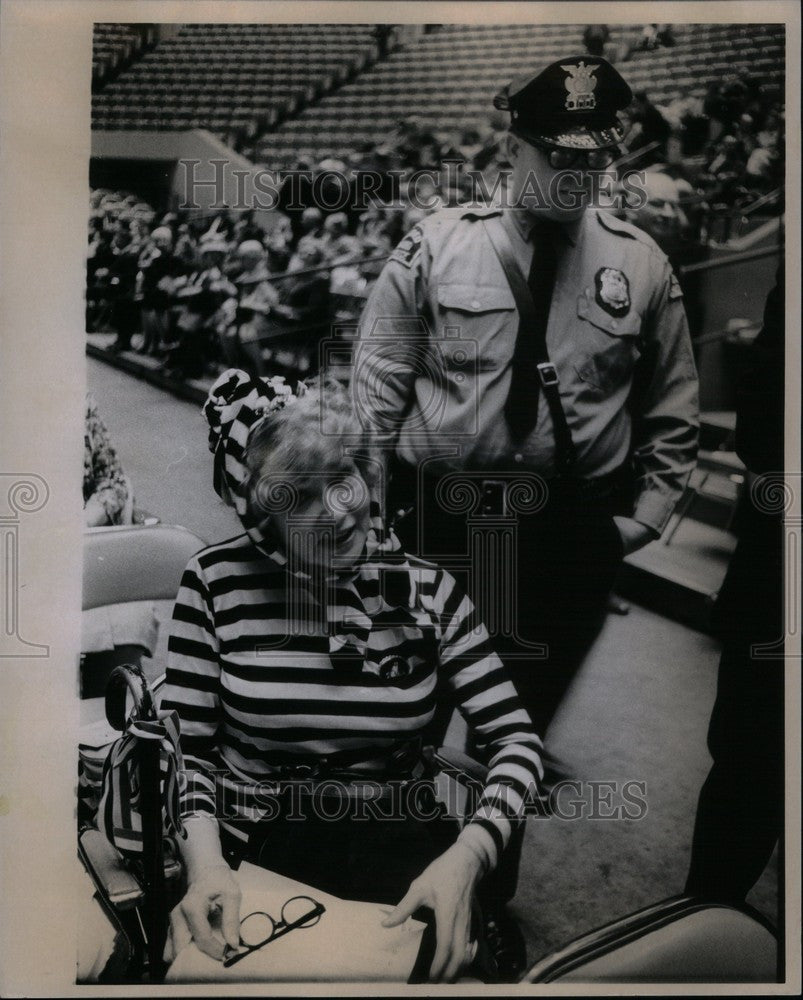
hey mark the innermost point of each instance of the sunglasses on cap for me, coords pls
(563, 158)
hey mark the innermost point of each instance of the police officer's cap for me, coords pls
(572, 103)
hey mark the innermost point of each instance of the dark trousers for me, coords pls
(561, 562)
(740, 810)
(741, 806)
(553, 568)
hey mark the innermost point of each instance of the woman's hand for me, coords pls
(446, 887)
(209, 914)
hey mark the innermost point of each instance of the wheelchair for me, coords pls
(677, 940)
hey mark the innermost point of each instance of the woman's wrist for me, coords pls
(474, 862)
(201, 849)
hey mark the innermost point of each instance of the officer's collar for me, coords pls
(524, 222)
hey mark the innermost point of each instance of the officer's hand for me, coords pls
(209, 914)
(635, 535)
(446, 887)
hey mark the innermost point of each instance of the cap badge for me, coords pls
(613, 291)
(580, 82)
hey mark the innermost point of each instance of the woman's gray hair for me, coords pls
(310, 436)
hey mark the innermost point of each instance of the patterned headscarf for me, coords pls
(236, 404)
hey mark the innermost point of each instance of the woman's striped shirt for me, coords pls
(250, 677)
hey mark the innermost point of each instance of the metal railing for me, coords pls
(732, 259)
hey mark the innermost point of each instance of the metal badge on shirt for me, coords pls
(613, 291)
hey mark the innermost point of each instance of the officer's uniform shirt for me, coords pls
(439, 332)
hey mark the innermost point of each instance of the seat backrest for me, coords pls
(135, 563)
(681, 940)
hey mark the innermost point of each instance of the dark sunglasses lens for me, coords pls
(256, 929)
(562, 159)
(298, 908)
(600, 158)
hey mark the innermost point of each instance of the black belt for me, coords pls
(496, 487)
(401, 761)
(495, 490)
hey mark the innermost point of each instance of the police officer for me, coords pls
(586, 385)
(529, 369)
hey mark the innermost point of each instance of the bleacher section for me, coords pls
(278, 81)
(452, 75)
(115, 45)
(232, 76)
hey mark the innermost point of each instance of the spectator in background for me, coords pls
(385, 35)
(186, 251)
(300, 318)
(650, 126)
(664, 218)
(764, 167)
(595, 37)
(597, 42)
(199, 317)
(335, 235)
(311, 228)
(157, 270)
(724, 170)
(121, 633)
(279, 250)
(653, 36)
(246, 314)
(106, 489)
(122, 282)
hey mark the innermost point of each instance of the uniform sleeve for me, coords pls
(503, 730)
(104, 478)
(191, 689)
(665, 408)
(393, 335)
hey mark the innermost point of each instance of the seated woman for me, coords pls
(311, 644)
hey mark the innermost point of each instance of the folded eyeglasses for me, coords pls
(259, 928)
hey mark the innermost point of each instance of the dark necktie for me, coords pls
(521, 407)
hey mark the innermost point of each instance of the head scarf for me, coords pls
(236, 404)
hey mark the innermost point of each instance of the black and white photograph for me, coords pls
(431, 612)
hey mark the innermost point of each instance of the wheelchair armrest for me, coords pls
(458, 765)
(104, 864)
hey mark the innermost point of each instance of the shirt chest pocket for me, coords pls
(484, 317)
(607, 347)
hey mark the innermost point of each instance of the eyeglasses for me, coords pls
(259, 928)
(561, 158)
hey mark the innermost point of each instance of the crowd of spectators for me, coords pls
(202, 291)
(231, 288)
(728, 142)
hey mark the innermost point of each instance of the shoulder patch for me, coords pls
(409, 248)
(675, 291)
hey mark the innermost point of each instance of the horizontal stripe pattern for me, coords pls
(252, 696)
